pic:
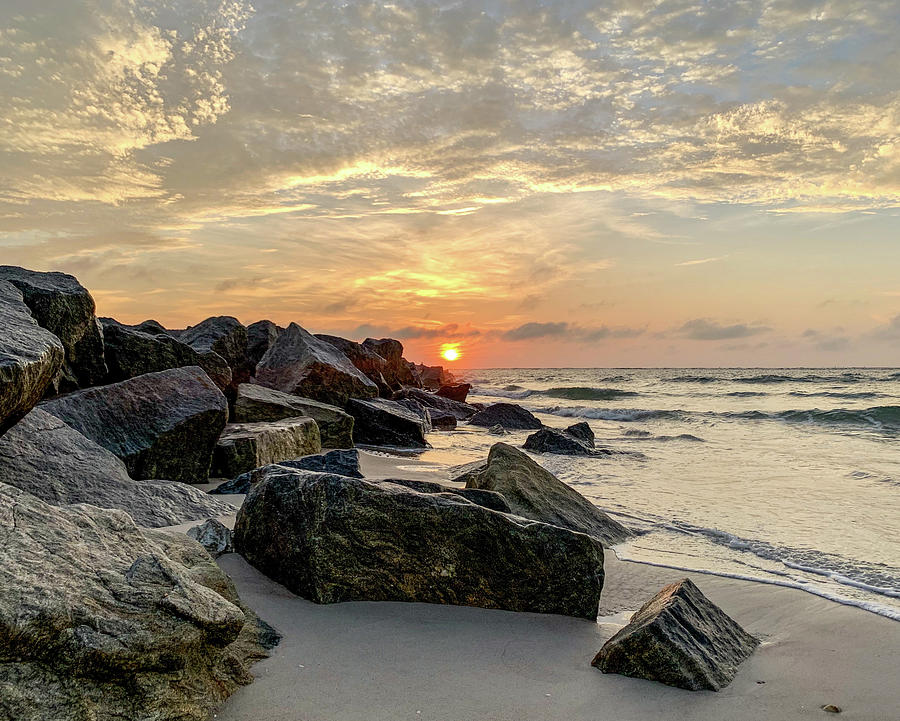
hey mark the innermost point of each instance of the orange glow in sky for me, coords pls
(450, 352)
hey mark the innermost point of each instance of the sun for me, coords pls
(450, 353)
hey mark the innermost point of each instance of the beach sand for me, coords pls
(391, 661)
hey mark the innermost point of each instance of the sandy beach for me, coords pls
(388, 661)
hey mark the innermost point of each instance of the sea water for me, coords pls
(787, 476)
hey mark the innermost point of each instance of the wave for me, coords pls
(626, 415)
(883, 417)
(647, 436)
(580, 393)
(766, 378)
(746, 394)
(834, 394)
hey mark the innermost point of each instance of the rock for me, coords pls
(455, 392)
(498, 430)
(367, 361)
(679, 638)
(461, 411)
(162, 425)
(301, 364)
(56, 463)
(442, 421)
(225, 336)
(30, 357)
(135, 350)
(341, 462)
(488, 499)
(535, 493)
(462, 473)
(831, 708)
(245, 446)
(381, 422)
(214, 536)
(260, 337)
(330, 538)
(63, 306)
(508, 415)
(103, 620)
(433, 377)
(256, 403)
(398, 371)
(417, 409)
(577, 440)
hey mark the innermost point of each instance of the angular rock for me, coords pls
(462, 473)
(331, 538)
(341, 462)
(433, 377)
(455, 391)
(488, 499)
(30, 357)
(103, 620)
(245, 446)
(508, 415)
(417, 409)
(367, 361)
(679, 638)
(498, 430)
(577, 440)
(301, 364)
(260, 337)
(224, 336)
(533, 492)
(381, 422)
(256, 403)
(214, 536)
(162, 425)
(56, 463)
(135, 350)
(442, 421)
(398, 371)
(63, 306)
(461, 411)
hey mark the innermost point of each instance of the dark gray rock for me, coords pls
(245, 446)
(56, 463)
(226, 337)
(461, 411)
(135, 350)
(301, 364)
(260, 337)
(331, 538)
(508, 415)
(103, 620)
(433, 377)
(462, 473)
(30, 357)
(534, 492)
(498, 430)
(63, 306)
(442, 421)
(368, 362)
(162, 425)
(417, 409)
(256, 403)
(380, 422)
(577, 440)
(341, 462)
(398, 371)
(455, 391)
(488, 499)
(214, 536)
(679, 638)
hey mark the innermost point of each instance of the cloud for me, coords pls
(889, 331)
(531, 331)
(702, 261)
(705, 329)
(451, 331)
(569, 332)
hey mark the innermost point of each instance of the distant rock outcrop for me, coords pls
(381, 422)
(341, 462)
(576, 440)
(162, 425)
(433, 377)
(397, 371)
(301, 364)
(245, 446)
(330, 538)
(30, 357)
(534, 492)
(679, 638)
(63, 306)
(103, 620)
(56, 463)
(508, 415)
(256, 403)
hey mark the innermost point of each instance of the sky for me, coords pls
(555, 183)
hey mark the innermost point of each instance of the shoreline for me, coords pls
(372, 661)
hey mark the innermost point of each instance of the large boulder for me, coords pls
(488, 499)
(330, 538)
(576, 440)
(102, 620)
(256, 403)
(30, 357)
(679, 638)
(135, 350)
(455, 391)
(508, 415)
(433, 377)
(461, 411)
(342, 462)
(162, 425)
(397, 371)
(260, 337)
(534, 492)
(245, 446)
(367, 361)
(301, 364)
(380, 422)
(224, 336)
(56, 463)
(63, 306)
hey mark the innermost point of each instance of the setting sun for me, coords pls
(450, 353)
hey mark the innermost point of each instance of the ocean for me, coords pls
(786, 476)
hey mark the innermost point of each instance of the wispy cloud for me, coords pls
(705, 329)
(701, 261)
